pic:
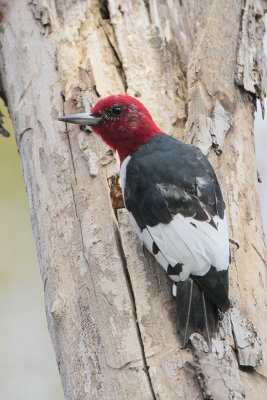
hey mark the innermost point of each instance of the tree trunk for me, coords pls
(198, 66)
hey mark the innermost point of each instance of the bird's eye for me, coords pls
(116, 111)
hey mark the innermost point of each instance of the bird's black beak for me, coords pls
(83, 119)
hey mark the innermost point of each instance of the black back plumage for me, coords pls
(168, 162)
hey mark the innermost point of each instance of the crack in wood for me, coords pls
(128, 364)
(71, 155)
(68, 138)
(103, 8)
(134, 310)
(259, 254)
(118, 63)
(147, 6)
(73, 195)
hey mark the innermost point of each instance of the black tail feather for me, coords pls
(196, 312)
(215, 286)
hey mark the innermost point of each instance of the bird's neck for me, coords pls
(126, 147)
(126, 141)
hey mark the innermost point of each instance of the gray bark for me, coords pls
(198, 66)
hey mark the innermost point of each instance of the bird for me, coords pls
(175, 203)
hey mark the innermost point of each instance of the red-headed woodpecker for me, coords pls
(175, 203)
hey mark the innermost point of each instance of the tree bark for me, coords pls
(198, 66)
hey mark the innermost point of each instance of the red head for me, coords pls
(125, 125)
(122, 121)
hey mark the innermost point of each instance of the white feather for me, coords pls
(197, 248)
(123, 172)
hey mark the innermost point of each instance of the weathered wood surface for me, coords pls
(198, 67)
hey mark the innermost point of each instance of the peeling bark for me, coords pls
(216, 379)
(247, 341)
(251, 66)
(198, 66)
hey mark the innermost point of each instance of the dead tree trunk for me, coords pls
(198, 66)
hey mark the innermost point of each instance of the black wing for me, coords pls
(166, 177)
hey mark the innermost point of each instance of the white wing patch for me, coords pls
(123, 173)
(195, 244)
